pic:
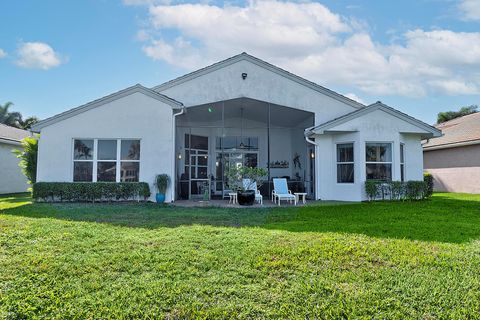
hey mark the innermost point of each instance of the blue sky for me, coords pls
(420, 57)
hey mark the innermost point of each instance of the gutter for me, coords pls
(174, 177)
(306, 133)
(10, 141)
(451, 145)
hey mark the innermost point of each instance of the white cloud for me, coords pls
(37, 55)
(314, 42)
(353, 96)
(2, 53)
(470, 9)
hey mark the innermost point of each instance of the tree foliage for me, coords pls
(28, 122)
(8, 117)
(15, 119)
(449, 115)
(28, 158)
(236, 174)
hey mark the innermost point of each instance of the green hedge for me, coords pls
(397, 190)
(428, 178)
(90, 191)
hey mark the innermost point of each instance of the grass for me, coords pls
(366, 260)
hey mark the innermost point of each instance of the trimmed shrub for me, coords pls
(428, 178)
(372, 189)
(396, 190)
(90, 191)
(415, 190)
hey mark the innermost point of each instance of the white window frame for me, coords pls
(82, 160)
(118, 161)
(99, 160)
(402, 162)
(349, 162)
(391, 163)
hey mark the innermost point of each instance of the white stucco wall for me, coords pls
(260, 84)
(12, 179)
(138, 116)
(135, 116)
(377, 126)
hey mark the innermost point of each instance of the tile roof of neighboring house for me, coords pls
(457, 132)
(11, 134)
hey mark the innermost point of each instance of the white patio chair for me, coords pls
(247, 185)
(281, 192)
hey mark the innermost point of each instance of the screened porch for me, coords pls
(242, 132)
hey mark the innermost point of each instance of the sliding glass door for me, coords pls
(235, 159)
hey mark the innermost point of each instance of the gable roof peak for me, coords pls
(320, 129)
(106, 99)
(263, 64)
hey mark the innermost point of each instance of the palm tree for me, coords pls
(9, 118)
(27, 123)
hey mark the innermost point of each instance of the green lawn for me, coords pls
(366, 260)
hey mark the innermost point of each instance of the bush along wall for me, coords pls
(428, 178)
(397, 190)
(90, 191)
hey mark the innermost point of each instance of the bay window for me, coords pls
(112, 160)
(378, 161)
(345, 163)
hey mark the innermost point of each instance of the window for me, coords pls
(112, 160)
(196, 142)
(379, 161)
(240, 143)
(402, 162)
(83, 160)
(107, 160)
(196, 156)
(130, 160)
(345, 163)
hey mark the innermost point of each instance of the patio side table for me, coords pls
(302, 195)
(232, 197)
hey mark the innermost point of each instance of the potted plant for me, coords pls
(161, 183)
(245, 192)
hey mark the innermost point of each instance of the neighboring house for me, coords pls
(454, 159)
(240, 111)
(11, 177)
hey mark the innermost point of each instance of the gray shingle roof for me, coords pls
(461, 130)
(12, 134)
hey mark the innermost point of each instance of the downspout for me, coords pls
(306, 134)
(174, 176)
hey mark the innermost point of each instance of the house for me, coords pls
(240, 111)
(12, 179)
(454, 159)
